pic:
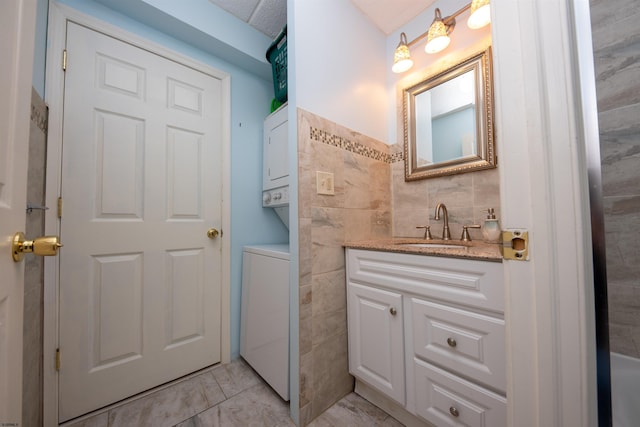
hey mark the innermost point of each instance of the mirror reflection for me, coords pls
(445, 125)
(447, 121)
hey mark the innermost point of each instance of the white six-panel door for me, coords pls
(17, 29)
(141, 183)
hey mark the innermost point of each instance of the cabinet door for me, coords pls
(376, 347)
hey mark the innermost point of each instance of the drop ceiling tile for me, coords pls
(243, 9)
(270, 17)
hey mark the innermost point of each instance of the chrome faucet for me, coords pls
(446, 234)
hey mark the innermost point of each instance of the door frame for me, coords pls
(54, 95)
(543, 61)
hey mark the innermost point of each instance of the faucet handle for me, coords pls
(465, 232)
(427, 231)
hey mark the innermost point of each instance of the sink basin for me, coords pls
(433, 245)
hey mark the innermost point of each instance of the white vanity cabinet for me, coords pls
(377, 353)
(427, 333)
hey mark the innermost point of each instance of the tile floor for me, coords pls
(231, 395)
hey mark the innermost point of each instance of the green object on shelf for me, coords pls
(275, 104)
(277, 56)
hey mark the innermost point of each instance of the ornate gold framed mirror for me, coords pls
(448, 121)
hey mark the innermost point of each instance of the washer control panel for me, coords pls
(275, 197)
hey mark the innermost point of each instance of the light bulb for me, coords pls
(437, 44)
(402, 57)
(438, 35)
(480, 14)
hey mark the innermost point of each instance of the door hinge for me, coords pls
(58, 359)
(59, 207)
(64, 60)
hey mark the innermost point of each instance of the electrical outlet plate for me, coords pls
(324, 183)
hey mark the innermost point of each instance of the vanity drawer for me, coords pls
(447, 400)
(462, 341)
(471, 283)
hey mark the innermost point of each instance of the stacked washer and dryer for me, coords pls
(264, 327)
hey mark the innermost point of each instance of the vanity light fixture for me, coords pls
(480, 14)
(402, 57)
(438, 33)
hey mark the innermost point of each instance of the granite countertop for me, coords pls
(477, 250)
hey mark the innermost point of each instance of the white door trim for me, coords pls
(58, 16)
(541, 115)
(17, 45)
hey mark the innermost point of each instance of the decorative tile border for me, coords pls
(396, 157)
(352, 146)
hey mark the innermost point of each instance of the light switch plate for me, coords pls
(324, 183)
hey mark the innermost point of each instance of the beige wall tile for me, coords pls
(306, 414)
(306, 379)
(34, 267)
(380, 224)
(371, 200)
(357, 224)
(331, 378)
(305, 327)
(329, 292)
(467, 197)
(304, 251)
(360, 209)
(327, 237)
(326, 325)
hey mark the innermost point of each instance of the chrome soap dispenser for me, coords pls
(491, 230)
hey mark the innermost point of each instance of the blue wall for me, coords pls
(447, 129)
(250, 100)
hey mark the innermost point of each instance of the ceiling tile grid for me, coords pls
(270, 16)
(266, 16)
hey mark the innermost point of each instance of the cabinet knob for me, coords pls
(393, 311)
(452, 342)
(454, 411)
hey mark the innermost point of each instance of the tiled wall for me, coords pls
(467, 197)
(369, 186)
(360, 209)
(34, 268)
(616, 45)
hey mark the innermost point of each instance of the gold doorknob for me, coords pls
(212, 233)
(43, 246)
